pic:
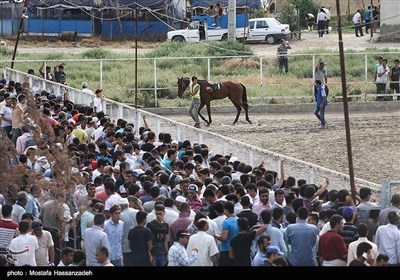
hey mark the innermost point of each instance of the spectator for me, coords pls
(282, 55)
(177, 255)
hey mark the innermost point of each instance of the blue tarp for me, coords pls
(89, 4)
(253, 4)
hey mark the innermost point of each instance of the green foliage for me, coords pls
(4, 50)
(211, 48)
(289, 12)
(260, 13)
(97, 53)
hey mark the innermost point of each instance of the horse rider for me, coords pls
(194, 107)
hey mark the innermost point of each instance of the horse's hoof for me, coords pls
(234, 123)
(249, 121)
(207, 125)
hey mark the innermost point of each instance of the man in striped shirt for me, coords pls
(7, 228)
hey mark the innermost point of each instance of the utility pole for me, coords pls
(21, 23)
(231, 19)
(136, 46)
(345, 104)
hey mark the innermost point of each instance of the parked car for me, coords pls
(269, 30)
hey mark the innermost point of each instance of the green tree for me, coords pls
(289, 12)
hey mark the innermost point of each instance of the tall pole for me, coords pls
(371, 24)
(136, 43)
(345, 104)
(21, 23)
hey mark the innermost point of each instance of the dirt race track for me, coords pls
(375, 134)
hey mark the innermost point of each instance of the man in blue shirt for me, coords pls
(321, 103)
(367, 18)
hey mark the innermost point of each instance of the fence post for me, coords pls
(155, 82)
(208, 69)
(366, 76)
(251, 156)
(261, 79)
(385, 193)
(224, 148)
(311, 175)
(101, 73)
(313, 72)
(200, 138)
(178, 132)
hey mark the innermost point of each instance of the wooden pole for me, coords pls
(345, 105)
(21, 23)
(136, 46)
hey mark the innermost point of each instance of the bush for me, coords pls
(289, 15)
(97, 53)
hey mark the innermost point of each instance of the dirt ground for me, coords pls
(373, 134)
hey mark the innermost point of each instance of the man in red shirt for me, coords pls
(332, 248)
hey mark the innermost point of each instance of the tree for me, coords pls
(288, 13)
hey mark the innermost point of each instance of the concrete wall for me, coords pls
(390, 20)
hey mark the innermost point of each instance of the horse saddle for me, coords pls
(212, 87)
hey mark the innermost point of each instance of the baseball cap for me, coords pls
(180, 199)
(274, 250)
(192, 188)
(123, 201)
(37, 225)
(348, 212)
(182, 233)
(232, 159)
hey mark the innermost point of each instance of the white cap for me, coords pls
(123, 201)
(180, 199)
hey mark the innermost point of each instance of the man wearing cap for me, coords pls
(273, 253)
(193, 200)
(45, 254)
(177, 255)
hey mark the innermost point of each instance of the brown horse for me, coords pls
(236, 92)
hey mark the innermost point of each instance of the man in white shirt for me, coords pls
(207, 255)
(357, 23)
(98, 101)
(381, 79)
(24, 246)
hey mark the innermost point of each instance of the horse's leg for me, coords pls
(246, 110)
(200, 115)
(239, 109)
(209, 113)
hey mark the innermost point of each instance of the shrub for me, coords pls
(289, 15)
(97, 53)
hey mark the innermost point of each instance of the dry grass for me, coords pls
(235, 63)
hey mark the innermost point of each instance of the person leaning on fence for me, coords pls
(282, 55)
(381, 79)
(194, 92)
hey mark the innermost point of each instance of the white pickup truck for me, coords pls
(199, 30)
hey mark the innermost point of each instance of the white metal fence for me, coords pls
(217, 143)
(261, 77)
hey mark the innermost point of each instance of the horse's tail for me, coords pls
(244, 95)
